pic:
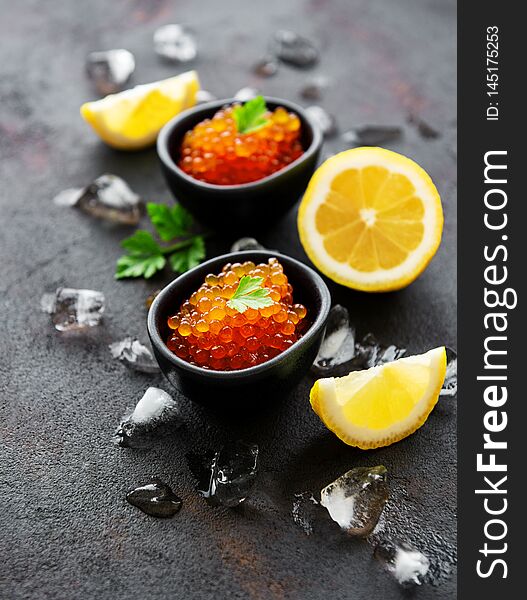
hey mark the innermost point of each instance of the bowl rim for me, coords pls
(320, 320)
(166, 132)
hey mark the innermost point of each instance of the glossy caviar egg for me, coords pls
(209, 333)
(215, 152)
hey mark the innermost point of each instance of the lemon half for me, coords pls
(371, 219)
(131, 120)
(381, 405)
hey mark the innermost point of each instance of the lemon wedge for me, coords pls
(131, 120)
(371, 219)
(381, 405)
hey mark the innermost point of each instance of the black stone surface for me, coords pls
(67, 531)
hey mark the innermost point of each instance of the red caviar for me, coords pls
(215, 152)
(208, 333)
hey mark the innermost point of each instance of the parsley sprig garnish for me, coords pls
(145, 256)
(251, 116)
(250, 294)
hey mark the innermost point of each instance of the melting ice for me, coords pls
(203, 96)
(340, 347)
(73, 309)
(134, 355)
(245, 94)
(246, 243)
(155, 408)
(356, 499)
(108, 197)
(293, 49)
(110, 70)
(408, 566)
(175, 43)
(314, 88)
(450, 383)
(304, 511)
(372, 135)
(226, 477)
(266, 67)
(323, 120)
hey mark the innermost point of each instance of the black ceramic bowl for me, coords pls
(267, 380)
(238, 208)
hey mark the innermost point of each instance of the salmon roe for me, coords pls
(215, 152)
(208, 333)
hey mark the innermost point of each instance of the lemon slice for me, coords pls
(381, 405)
(132, 119)
(371, 219)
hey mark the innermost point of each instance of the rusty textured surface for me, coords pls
(67, 531)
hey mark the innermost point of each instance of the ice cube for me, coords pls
(156, 408)
(323, 120)
(305, 508)
(72, 309)
(246, 243)
(175, 43)
(338, 346)
(111, 70)
(341, 349)
(155, 499)
(153, 405)
(356, 499)
(372, 135)
(409, 566)
(266, 67)
(293, 49)
(68, 197)
(314, 88)
(226, 477)
(134, 355)
(450, 384)
(245, 94)
(370, 353)
(108, 197)
(203, 96)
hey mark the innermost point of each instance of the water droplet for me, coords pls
(155, 499)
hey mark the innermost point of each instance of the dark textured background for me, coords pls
(67, 531)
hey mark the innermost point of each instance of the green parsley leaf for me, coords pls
(171, 222)
(250, 117)
(145, 256)
(141, 243)
(250, 294)
(189, 257)
(139, 266)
